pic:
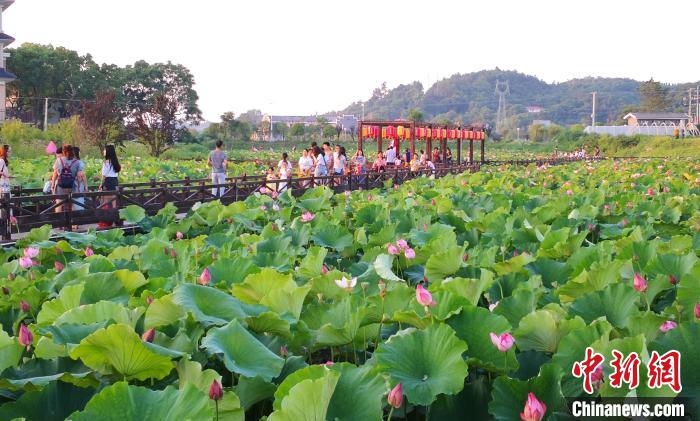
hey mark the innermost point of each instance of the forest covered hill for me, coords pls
(471, 97)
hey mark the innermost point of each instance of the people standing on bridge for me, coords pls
(110, 175)
(218, 161)
(320, 165)
(306, 166)
(390, 156)
(285, 161)
(5, 187)
(379, 163)
(359, 161)
(328, 153)
(449, 156)
(65, 174)
(436, 155)
(408, 155)
(81, 182)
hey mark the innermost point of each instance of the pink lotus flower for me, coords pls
(263, 208)
(403, 244)
(639, 283)
(276, 207)
(25, 336)
(179, 235)
(668, 325)
(606, 208)
(395, 397)
(650, 192)
(503, 342)
(328, 363)
(215, 391)
(534, 409)
(424, 297)
(283, 351)
(205, 277)
(31, 252)
(88, 252)
(569, 192)
(369, 197)
(307, 217)
(665, 189)
(149, 300)
(264, 190)
(173, 253)
(24, 306)
(51, 148)
(672, 280)
(465, 257)
(492, 306)
(392, 249)
(274, 195)
(433, 202)
(346, 284)
(697, 310)
(58, 266)
(324, 270)
(149, 335)
(597, 376)
(25, 262)
(409, 253)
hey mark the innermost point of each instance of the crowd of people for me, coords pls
(327, 160)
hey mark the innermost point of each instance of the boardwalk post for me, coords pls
(6, 224)
(68, 212)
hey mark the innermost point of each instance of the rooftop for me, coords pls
(657, 116)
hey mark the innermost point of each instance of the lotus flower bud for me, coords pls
(179, 235)
(283, 351)
(324, 270)
(149, 335)
(88, 252)
(205, 277)
(392, 249)
(697, 310)
(409, 253)
(5, 291)
(149, 300)
(534, 409)
(639, 283)
(668, 325)
(215, 391)
(395, 397)
(25, 336)
(503, 342)
(424, 297)
(58, 266)
(672, 279)
(24, 306)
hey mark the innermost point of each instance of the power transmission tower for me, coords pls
(502, 89)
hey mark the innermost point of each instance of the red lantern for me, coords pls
(482, 136)
(407, 133)
(435, 133)
(443, 134)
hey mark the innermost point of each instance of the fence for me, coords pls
(32, 208)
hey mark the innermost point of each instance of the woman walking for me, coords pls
(81, 179)
(5, 188)
(65, 174)
(110, 174)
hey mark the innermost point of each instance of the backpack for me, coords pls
(66, 180)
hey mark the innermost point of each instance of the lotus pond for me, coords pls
(430, 300)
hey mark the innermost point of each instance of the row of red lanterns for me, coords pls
(400, 132)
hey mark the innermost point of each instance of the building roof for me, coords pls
(657, 116)
(6, 76)
(6, 39)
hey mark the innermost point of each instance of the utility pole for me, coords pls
(690, 104)
(363, 111)
(697, 104)
(46, 113)
(593, 112)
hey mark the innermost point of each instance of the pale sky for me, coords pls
(307, 56)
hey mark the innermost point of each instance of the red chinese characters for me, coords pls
(590, 368)
(626, 370)
(665, 370)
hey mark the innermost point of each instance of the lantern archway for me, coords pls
(398, 131)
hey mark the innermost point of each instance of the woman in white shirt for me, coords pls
(110, 173)
(306, 165)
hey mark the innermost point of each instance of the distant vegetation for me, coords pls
(471, 97)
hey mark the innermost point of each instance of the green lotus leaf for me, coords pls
(598, 276)
(10, 351)
(130, 279)
(684, 339)
(269, 322)
(191, 372)
(124, 402)
(688, 293)
(383, 266)
(312, 264)
(210, 306)
(274, 290)
(332, 236)
(132, 214)
(472, 400)
(541, 330)
(617, 302)
(231, 270)
(572, 348)
(123, 253)
(474, 325)
(67, 299)
(308, 399)
(357, 395)
(469, 288)
(426, 362)
(443, 264)
(103, 287)
(162, 312)
(55, 402)
(37, 373)
(99, 312)
(242, 352)
(69, 333)
(516, 306)
(252, 390)
(514, 264)
(118, 349)
(509, 396)
(448, 304)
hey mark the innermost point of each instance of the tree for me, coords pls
(101, 120)
(328, 131)
(158, 124)
(338, 131)
(654, 96)
(415, 115)
(252, 117)
(297, 130)
(280, 129)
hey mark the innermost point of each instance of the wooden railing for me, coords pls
(33, 208)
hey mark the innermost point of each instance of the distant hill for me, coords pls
(471, 97)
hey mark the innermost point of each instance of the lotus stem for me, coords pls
(391, 412)
(216, 405)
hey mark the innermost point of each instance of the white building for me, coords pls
(5, 76)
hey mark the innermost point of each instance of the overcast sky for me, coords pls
(304, 57)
